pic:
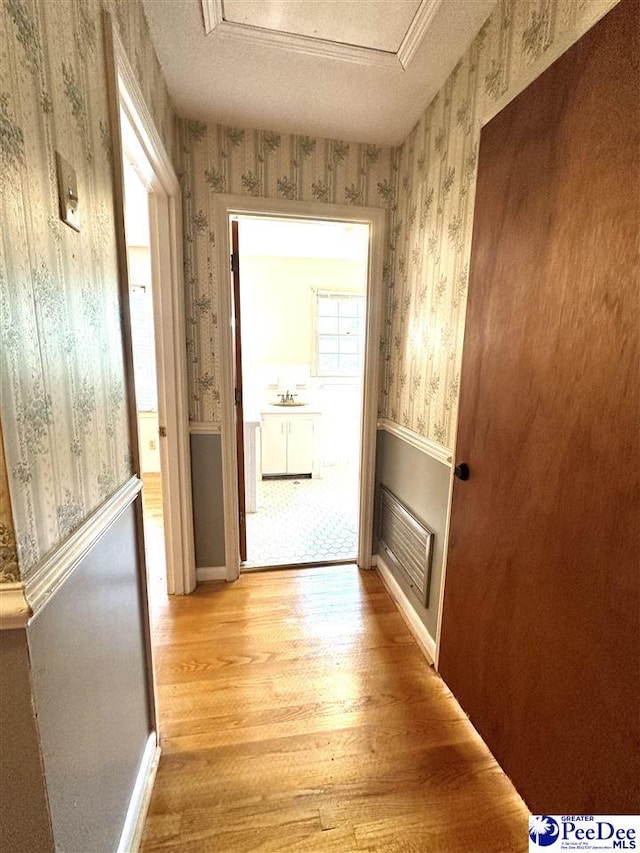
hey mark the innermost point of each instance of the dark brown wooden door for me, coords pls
(540, 638)
(237, 337)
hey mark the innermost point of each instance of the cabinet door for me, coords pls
(300, 446)
(273, 444)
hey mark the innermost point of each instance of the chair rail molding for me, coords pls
(52, 572)
(420, 442)
(15, 610)
(204, 428)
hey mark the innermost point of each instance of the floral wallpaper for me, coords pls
(239, 161)
(8, 554)
(434, 179)
(64, 414)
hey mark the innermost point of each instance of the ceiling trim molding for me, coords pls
(212, 13)
(416, 32)
(213, 16)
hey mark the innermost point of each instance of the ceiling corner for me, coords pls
(212, 14)
(417, 30)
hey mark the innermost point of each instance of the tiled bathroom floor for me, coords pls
(305, 521)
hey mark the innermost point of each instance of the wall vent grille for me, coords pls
(407, 541)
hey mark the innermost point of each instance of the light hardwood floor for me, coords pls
(298, 714)
(154, 539)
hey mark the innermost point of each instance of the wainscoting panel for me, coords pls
(24, 814)
(208, 515)
(90, 684)
(422, 483)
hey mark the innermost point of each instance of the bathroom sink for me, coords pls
(289, 404)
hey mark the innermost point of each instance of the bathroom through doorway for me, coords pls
(302, 299)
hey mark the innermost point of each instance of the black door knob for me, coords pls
(461, 471)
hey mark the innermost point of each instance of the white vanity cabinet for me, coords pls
(290, 442)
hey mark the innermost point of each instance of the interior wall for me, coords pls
(433, 217)
(404, 470)
(24, 811)
(277, 304)
(208, 508)
(239, 161)
(278, 338)
(64, 415)
(90, 685)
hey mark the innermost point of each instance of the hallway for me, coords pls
(297, 713)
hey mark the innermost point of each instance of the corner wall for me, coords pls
(258, 163)
(264, 164)
(84, 711)
(435, 176)
(433, 216)
(90, 688)
(64, 417)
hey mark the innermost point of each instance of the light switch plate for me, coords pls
(68, 193)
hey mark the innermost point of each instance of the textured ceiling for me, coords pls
(218, 77)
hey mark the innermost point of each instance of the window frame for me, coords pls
(319, 293)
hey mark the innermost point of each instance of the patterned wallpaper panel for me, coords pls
(435, 174)
(63, 395)
(238, 161)
(8, 554)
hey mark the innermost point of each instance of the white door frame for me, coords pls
(227, 206)
(141, 140)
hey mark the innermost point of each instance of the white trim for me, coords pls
(307, 45)
(417, 627)
(417, 31)
(213, 14)
(56, 568)
(15, 610)
(214, 22)
(165, 215)
(226, 206)
(140, 798)
(204, 428)
(425, 445)
(227, 399)
(211, 573)
(559, 46)
(443, 573)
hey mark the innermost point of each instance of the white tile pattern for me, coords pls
(305, 521)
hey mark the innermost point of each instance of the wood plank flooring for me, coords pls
(298, 714)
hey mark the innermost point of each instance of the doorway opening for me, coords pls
(228, 209)
(301, 322)
(143, 337)
(150, 260)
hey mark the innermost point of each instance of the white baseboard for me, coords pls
(211, 573)
(417, 627)
(140, 798)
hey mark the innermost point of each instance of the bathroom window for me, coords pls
(339, 333)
